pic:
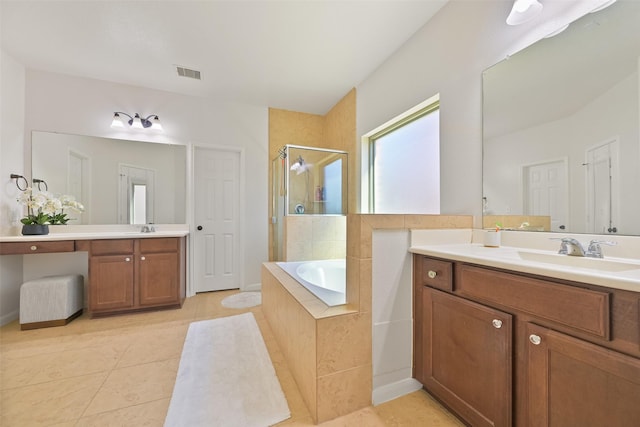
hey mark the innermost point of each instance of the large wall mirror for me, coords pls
(561, 127)
(118, 181)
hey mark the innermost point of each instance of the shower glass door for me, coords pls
(316, 181)
(277, 219)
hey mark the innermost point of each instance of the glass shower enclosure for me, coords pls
(306, 181)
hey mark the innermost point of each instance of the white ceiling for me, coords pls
(297, 55)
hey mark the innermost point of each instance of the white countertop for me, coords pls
(611, 272)
(79, 232)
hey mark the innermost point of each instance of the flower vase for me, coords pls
(35, 229)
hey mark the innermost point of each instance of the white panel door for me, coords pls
(79, 184)
(546, 192)
(602, 174)
(216, 217)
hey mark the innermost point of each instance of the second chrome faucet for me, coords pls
(572, 247)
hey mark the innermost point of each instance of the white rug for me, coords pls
(226, 378)
(243, 300)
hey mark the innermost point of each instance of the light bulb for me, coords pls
(117, 121)
(155, 124)
(136, 122)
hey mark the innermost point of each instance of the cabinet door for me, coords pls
(574, 383)
(467, 357)
(159, 279)
(111, 282)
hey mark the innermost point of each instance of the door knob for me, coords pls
(497, 323)
(199, 227)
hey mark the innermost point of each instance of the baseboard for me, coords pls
(9, 317)
(392, 391)
(252, 287)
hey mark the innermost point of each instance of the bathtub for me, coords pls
(325, 279)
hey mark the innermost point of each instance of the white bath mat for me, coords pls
(243, 300)
(226, 378)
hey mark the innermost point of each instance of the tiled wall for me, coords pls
(336, 130)
(314, 237)
(329, 349)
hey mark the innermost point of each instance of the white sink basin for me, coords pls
(579, 262)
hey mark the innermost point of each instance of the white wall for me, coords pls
(74, 105)
(12, 76)
(60, 103)
(447, 56)
(392, 315)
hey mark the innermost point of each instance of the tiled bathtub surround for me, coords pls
(315, 237)
(329, 349)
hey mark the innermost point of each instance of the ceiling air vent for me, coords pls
(186, 72)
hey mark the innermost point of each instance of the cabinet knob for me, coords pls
(34, 248)
(142, 258)
(127, 259)
(432, 274)
(535, 339)
(497, 323)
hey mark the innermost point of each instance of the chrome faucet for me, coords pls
(148, 228)
(572, 247)
(595, 250)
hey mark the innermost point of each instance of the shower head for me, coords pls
(300, 166)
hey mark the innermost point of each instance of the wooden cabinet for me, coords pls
(570, 353)
(135, 274)
(36, 247)
(159, 272)
(111, 282)
(575, 383)
(467, 358)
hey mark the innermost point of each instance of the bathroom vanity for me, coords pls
(128, 271)
(505, 347)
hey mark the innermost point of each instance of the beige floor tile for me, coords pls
(135, 389)
(146, 414)
(65, 424)
(17, 372)
(415, 409)
(49, 403)
(73, 363)
(155, 345)
(135, 385)
(366, 417)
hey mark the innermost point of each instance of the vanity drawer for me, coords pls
(39, 247)
(581, 309)
(159, 244)
(434, 273)
(111, 247)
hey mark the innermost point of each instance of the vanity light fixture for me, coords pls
(524, 11)
(152, 121)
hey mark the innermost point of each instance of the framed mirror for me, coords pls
(561, 140)
(118, 181)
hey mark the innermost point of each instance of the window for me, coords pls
(403, 163)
